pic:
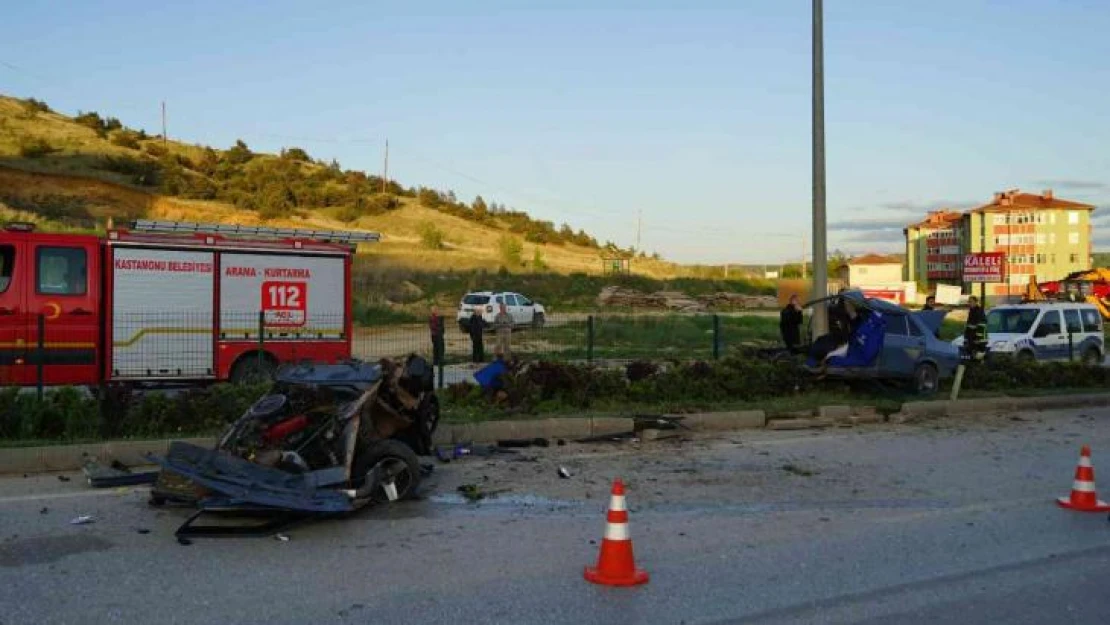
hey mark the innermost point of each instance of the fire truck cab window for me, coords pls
(7, 266)
(61, 270)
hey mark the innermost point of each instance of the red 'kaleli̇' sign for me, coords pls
(985, 267)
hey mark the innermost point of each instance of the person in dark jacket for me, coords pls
(435, 327)
(477, 329)
(790, 324)
(840, 322)
(930, 303)
(975, 333)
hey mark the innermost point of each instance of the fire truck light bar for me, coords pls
(336, 236)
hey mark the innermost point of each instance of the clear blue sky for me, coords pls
(696, 113)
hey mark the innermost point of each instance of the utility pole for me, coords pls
(165, 137)
(385, 167)
(820, 255)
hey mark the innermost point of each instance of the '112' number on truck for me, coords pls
(285, 303)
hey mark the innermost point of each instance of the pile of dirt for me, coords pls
(616, 296)
(664, 300)
(733, 301)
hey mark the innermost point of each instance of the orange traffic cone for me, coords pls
(1083, 497)
(616, 565)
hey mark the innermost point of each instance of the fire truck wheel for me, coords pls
(250, 369)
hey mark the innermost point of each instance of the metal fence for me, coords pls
(64, 348)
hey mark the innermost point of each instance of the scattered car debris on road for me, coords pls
(564, 473)
(61, 478)
(523, 442)
(84, 519)
(115, 475)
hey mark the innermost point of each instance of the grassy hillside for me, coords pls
(76, 172)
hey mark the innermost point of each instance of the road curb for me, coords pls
(913, 412)
(73, 457)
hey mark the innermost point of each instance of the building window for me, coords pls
(1052, 238)
(1052, 218)
(1040, 239)
(1040, 259)
(1073, 258)
(1073, 238)
(1073, 218)
(1052, 258)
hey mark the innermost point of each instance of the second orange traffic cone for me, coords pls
(616, 565)
(1083, 497)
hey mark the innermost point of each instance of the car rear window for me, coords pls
(476, 300)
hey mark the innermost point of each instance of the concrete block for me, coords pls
(735, 420)
(657, 435)
(834, 412)
(981, 406)
(902, 417)
(567, 428)
(865, 419)
(799, 424)
(610, 425)
(73, 457)
(925, 409)
(493, 431)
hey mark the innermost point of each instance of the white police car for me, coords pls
(1045, 331)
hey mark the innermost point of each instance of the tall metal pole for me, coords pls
(820, 256)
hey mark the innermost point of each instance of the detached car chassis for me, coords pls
(325, 440)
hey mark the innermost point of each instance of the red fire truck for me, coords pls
(171, 302)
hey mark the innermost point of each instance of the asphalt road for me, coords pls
(951, 521)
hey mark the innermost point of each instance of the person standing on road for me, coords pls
(503, 323)
(476, 326)
(790, 325)
(435, 326)
(975, 333)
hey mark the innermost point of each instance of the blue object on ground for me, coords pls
(489, 376)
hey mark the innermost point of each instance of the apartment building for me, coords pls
(1041, 235)
(934, 253)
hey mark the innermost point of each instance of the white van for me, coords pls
(1040, 331)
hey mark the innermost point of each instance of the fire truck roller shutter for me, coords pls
(162, 313)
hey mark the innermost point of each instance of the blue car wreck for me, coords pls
(887, 342)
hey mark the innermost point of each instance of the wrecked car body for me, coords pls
(325, 439)
(887, 342)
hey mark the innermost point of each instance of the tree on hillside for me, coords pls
(208, 163)
(480, 208)
(431, 237)
(510, 250)
(92, 121)
(32, 107)
(296, 154)
(238, 153)
(538, 263)
(429, 197)
(126, 139)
